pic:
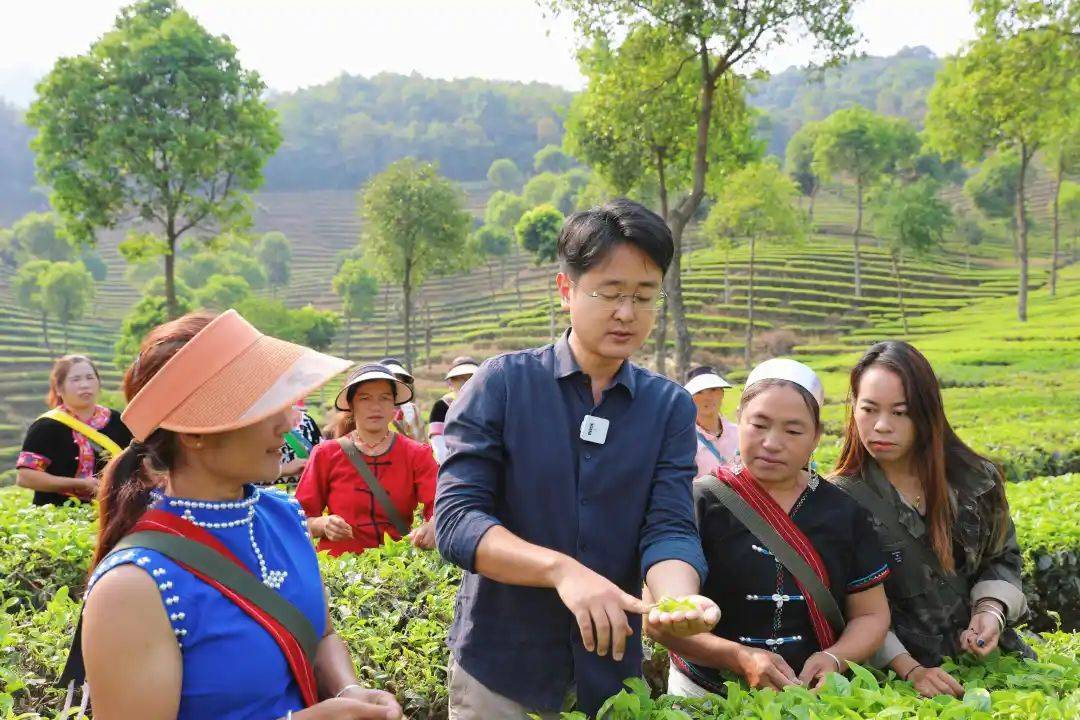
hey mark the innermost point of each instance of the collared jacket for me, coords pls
(928, 614)
(517, 459)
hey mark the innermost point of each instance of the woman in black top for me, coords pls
(772, 633)
(56, 461)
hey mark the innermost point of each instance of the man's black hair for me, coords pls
(588, 237)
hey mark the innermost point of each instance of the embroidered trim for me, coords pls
(770, 642)
(87, 466)
(868, 581)
(32, 461)
(171, 601)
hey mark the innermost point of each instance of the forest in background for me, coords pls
(339, 134)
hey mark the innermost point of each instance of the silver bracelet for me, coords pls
(839, 667)
(347, 687)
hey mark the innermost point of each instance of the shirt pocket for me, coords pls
(906, 579)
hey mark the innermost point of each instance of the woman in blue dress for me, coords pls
(210, 399)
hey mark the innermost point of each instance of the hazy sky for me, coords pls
(294, 43)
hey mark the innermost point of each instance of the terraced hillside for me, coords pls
(804, 296)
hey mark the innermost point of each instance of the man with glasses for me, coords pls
(568, 482)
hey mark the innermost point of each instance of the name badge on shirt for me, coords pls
(594, 429)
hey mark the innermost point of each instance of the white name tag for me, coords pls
(594, 429)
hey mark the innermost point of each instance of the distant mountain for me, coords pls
(895, 85)
(17, 195)
(339, 134)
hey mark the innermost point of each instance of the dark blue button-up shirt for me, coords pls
(516, 459)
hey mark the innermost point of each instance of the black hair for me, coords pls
(588, 237)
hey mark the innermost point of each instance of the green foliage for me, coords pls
(415, 224)
(93, 262)
(67, 289)
(303, 326)
(221, 292)
(860, 145)
(800, 158)
(26, 285)
(758, 201)
(505, 175)
(39, 236)
(993, 188)
(274, 251)
(504, 209)
(147, 314)
(538, 232)
(910, 216)
(158, 120)
(198, 269)
(346, 131)
(356, 288)
(895, 85)
(569, 189)
(492, 242)
(551, 158)
(539, 189)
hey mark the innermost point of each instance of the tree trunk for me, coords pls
(682, 215)
(899, 289)
(1056, 228)
(810, 209)
(747, 351)
(855, 238)
(662, 322)
(661, 340)
(491, 286)
(727, 278)
(967, 257)
(45, 331)
(386, 316)
(551, 305)
(406, 294)
(171, 306)
(1021, 235)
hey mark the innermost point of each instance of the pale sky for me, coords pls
(296, 43)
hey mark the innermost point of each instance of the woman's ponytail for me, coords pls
(142, 466)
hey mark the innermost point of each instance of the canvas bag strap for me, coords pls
(377, 490)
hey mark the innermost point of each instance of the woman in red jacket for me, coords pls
(350, 506)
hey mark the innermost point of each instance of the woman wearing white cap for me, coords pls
(794, 563)
(717, 437)
(371, 480)
(206, 599)
(461, 369)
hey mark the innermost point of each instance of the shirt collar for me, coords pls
(566, 365)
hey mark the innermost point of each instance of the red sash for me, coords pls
(750, 491)
(302, 670)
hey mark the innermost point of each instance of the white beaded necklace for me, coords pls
(270, 578)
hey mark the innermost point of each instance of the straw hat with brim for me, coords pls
(704, 378)
(792, 371)
(228, 376)
(398, 370)
(403, 393)
(462, 367)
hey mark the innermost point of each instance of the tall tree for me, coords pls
(551, 158)
(505, 175)
(357, 290)
(912, 219)
(493, 243)
(800, 164)
(999, 96)
(720, 36)
(992, 189)
(759, 203)
(634, 125)
(275, 253)
(221, 292)
(1069, 205)
(504, 209)
(67, 290)
(1063, 158)
(40, 235)
(415, 223)
(538, 232)
(157, 123)
(26, 286)
(970, 233)
(859, 145)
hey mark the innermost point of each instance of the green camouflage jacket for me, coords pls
(929, 609)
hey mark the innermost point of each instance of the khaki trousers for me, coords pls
(472, 700)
